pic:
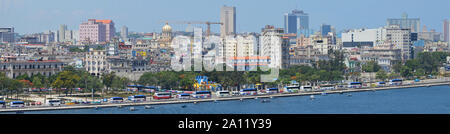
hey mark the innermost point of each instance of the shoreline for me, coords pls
(45, 108)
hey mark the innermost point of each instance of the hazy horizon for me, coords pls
(31, 16)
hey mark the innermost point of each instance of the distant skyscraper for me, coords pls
(296, 22)
(109, 27)
(96, 31)
(7, 34)
(446, 30)
(325, 29)
(405, 22)
(124, 32)
(228, 18)
(62, 33)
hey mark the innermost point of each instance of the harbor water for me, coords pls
(420, 100)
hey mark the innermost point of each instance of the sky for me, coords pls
(32, 16)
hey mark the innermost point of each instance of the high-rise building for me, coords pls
(124, 32)
(401, 38)
(274, 46)
(96, 31)
(7, 34)
(110, 29)
(446, 30)
(92, 31)
(62, 33)
(228, 18)
(68, 35)
(405, 22)
(325, 29)
(296, 22)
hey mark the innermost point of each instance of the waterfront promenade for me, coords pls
(433, 82)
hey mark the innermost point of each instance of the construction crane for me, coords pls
(208, 23)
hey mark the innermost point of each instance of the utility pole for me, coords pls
(85, 83)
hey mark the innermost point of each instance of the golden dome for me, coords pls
(166, 28)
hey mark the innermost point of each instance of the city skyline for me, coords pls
(146, 16)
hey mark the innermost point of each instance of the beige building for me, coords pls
(228, 18)
(95, 62)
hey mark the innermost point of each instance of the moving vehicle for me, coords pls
(327, 87)
(396, 82)
(355, 85)
(116, 100)
(293, 88)
(17, 104)
(137, 98)
(249, 91)
(381, 84)
(202, 94)
(306, 88)
(162, 95)
(272, 91)
(54, 102)
(2, 104)
(184, 96)
(223, 93)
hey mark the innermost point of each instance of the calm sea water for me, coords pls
(426, 100)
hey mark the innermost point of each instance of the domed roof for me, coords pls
(166, 28)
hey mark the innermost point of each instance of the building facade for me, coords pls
(13, 69)
(325, 29)
(401, 38)
(95, 62)
(296, 21)
(446, 30)
(406, 23)
(228, 18)
(124, 33)
(274, 46)
(96, 31)
(7, 34)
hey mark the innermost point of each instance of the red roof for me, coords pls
(104, 21)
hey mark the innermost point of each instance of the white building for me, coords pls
(401, 38)
(393, 34)
(362, 37)
(95, 62)
(247, 45)
(273, 45)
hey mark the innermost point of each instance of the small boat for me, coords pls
(271, 97)
(256, 98)
(349, 95)
(120, 106)
(148, 107)
(184, 106)
(96, 108)
(340, 92)
(311, 97)
(195, 102)
(323, 94)
(265, 101)
(132, 109)
(241, 99)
